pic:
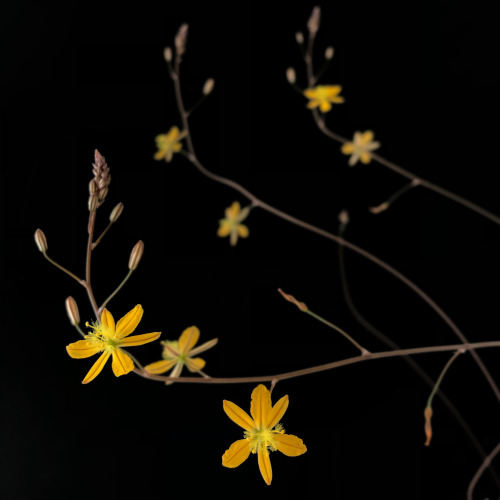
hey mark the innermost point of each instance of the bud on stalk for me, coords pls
(72, 310)
(117, 211)
(136, 256)
(41, 240)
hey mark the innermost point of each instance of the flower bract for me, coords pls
(360, 147)
(108, 339)
(324, 96)
(177, 353)
(263, 432)
(232, 225)
(168, 144)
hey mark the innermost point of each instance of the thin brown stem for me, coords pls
(411, 362)
(486, 463)
(96, 242)
(63, 269)
(321, 368)
(88, 285)
(256, 202)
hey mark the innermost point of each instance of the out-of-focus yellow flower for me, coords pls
(262, 434)
(323, 96)
(169, 143)
(108, 339)
(177, 353)
(232, 225)
(360, 147)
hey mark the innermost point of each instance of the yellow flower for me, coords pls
(169, 143)
(360, 148)
(178, 353)
(108, 339)
(262, 434)
(323, 96)
(231, 226)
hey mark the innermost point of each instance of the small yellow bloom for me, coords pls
(178, 353)
(323, 96)
(360, 148)
(169, 143)
(108, 339)
(262, 434)
(232, 225)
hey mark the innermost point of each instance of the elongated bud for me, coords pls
(93, 203)
(167, 54)
(72, 310)
(136, 255)
(293, 300)
(313, 23)
(103, 193)
(290, 75)
(41, 241)
(299, 37)
(344, 217)
(209, 86)
(428, 427)
(117, 211)
(93, 187)
(180, 39)
(329, 53)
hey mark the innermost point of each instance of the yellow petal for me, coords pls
(347, 148)
(291, 446)
(332, 90)
(84, 349)
(242, 231)
(365, 158)
(325, 106)
(313, 104)
(236, 454)
(224, 229)
(173, 134)
(195, 364)
(160, 366)
(265, 466)
(159, 155)
(122, 363)
(367, 137)
(337, 100)
(96, 368)
(238, 416)
(107, 321)
(233, 211)
(129, 322)
(203, 347)
(177, 147)
(277, 412)
(140, 339)
(260, 407)
(310, 93)
(188, 339)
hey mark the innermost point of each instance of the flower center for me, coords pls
(263, 438)
(103, 336)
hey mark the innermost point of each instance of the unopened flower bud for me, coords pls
(93, 203)
(167, 53)
(299, 37)
(180, 39)
(290, 75)
(117, 211)
(344, 217)
(313, 23)
(136, 256)
(92, 187)
(209, 86)
(41, 240)
(428, 427)
(293, 300)
(72, 310)
(329, 53)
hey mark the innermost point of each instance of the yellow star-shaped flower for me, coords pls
(180, 352)
(109, 339)
(232, 225)
(263, 433)
(360, 148)
(168, 144)
(323, 96)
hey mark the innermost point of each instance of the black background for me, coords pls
(78, 77)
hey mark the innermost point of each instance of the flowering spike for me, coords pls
(313, 23)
